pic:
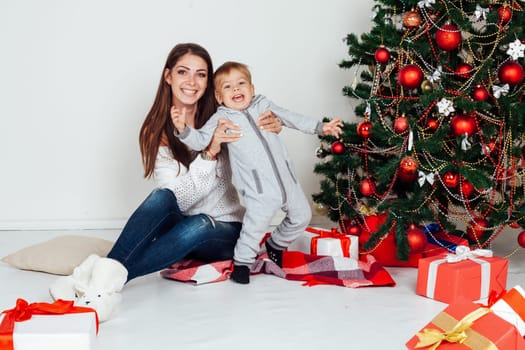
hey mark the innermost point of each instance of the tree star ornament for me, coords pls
(445, 106)
(516, 49)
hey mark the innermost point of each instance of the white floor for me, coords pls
(269, 313)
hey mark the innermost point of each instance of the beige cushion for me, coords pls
(59, 255)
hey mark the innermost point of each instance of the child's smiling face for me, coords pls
(234, 90)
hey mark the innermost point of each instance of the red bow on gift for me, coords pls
(333, 233)
(23, 311)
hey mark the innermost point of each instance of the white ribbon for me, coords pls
(426, 3)
(425, 177)
(481, 12)
(368, 110)
(465, 143)
(516, 49)
(436, 76)
(410, 140)
(500, 90)
(462, 253)
(445, 106)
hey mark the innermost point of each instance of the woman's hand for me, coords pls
(269, 122)
(225, 132)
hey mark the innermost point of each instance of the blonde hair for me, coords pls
(227, 67)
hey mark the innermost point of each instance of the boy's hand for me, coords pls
(178, 118)
(333, 127)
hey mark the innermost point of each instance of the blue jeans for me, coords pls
(157, 235)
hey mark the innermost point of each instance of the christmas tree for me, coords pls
(439, 139)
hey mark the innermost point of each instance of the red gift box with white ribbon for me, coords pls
(511, 308)
(469, 274)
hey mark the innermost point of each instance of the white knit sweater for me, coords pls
(203, 188)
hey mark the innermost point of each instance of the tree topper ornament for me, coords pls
(516, 49)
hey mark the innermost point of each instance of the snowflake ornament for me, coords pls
(516, 49)
(445, 106)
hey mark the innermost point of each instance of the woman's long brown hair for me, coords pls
(158, 121)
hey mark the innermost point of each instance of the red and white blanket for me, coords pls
(297, 266)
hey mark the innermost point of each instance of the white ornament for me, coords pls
(445, 106)
(422, 177)
(500, 90)
(465, 143)
(481, 12)
(516, 49)
(426, 3)
(436, 76)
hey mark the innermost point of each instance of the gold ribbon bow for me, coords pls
(433, 338)
(363, 209)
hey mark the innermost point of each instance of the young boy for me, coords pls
(261, 169)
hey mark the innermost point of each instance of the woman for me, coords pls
(194, 212)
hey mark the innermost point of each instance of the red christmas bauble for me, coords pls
(476, 229)
(411, 19)
(408, 169)
(364, 129)
(417, 240)
(511, 73)
(504, 14)
(467, 188)
(382, 55)
(480, 93)
(410, 76)
(521, 239)
(462, 123)
(448, 37)
(514, 225)
(353, 229)
(367, 187)
(432, 124)
(463, 70)
(401, 124)
(337, 147)
(451, 179)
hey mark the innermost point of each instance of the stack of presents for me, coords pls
(481, 313)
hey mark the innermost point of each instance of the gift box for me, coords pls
(44, 326)
(465, 325)
(465, 274)
(318, 241)
(385, 250)
(511, 308)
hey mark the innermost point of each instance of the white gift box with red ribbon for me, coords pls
(319, 241)
(511, 308)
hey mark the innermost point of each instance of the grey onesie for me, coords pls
(262, 173)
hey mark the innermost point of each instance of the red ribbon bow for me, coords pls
(23, 311)
(333, 233)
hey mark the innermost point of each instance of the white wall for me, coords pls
(77, 78)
